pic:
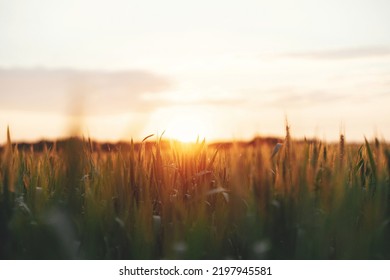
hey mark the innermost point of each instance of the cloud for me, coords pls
(292, 97)
(341, 54)
(95, 92)
(211, 96)
(226, 102)
(214, 102)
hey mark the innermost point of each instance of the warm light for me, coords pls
(186, 129)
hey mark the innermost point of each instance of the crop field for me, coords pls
(161, 199)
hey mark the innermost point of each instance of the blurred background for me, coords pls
(215, 69)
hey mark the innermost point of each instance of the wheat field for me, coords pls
(161, 199)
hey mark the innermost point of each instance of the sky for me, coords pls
(222, 70)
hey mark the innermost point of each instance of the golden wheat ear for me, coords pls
(8, 137)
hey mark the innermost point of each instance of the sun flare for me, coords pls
(186, 129)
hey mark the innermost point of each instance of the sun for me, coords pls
(186, 129)
(185, 124)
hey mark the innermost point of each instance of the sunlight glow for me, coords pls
(219, 70)
(187, 129)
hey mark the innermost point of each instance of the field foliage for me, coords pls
(169, 200)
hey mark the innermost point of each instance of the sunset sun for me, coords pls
(186, 129)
